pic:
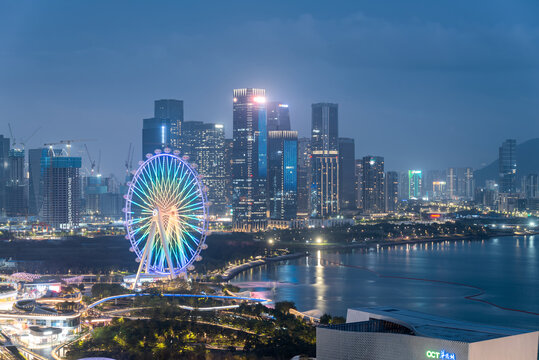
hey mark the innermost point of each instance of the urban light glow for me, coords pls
(259, 99)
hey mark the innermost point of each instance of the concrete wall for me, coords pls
(521, 347)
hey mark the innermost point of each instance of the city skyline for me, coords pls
(416, 98)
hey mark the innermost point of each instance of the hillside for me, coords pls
(527, 163)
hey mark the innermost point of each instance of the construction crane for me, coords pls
(92, 162)
(23, 142)
(129, 160)
(67, 143)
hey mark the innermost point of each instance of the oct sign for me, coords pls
(442, 354)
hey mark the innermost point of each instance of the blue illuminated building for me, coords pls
(282, 174)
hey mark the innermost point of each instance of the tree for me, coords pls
(285, 306)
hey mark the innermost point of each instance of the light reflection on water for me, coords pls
(507, 268)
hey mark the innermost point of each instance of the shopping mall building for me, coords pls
(385, 333)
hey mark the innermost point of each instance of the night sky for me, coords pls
(426, 84)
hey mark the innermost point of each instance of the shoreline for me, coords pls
(232, 273)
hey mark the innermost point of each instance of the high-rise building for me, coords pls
(325, 160)
(469, 184)
(228, 154)
(155, 135)
(4, 171)
(16, 190)
(282, 174)
(414, 184)
(210, 158)
(325, 127)
(359, 183)
(507, 162)
(204, 144)
(392, 191)
(249, 157)
(35, 181)
(191, 136)
(61, 190)
(373, 184)
(164, 129)
(530, 186)
(304, 176)
(452, 183)
(278, 116)
(347, 175)
(171, 110)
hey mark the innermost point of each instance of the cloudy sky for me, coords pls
(426, 84)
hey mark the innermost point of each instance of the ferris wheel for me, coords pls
(166, 215)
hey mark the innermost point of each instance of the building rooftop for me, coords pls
(431, 326)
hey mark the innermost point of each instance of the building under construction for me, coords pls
(61, 190)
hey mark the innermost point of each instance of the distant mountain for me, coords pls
(527, 163)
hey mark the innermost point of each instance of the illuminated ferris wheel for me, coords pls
(166, 215)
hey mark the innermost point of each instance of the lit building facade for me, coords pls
(171, 110)
(415, 184)
(372, 185)
(61, 190)
(392, 191)
(164, 129)
(249, 163)
(507, 163)
(282, 174)
(304, 176)
(325, 160)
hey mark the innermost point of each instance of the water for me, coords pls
(507, 268)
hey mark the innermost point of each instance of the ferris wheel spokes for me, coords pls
(157, 224)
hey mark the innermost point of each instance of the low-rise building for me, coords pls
(384, 333)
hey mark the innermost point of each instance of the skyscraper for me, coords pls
(16, 195)
(61, 190)
(228, 155)
(469, 184)
(373, 184)
(249, 156)
(415, 184)
(155, 135)
(452, 183)
(278, 116)
(392, 191)
(210, 158)
(191, 137)
(530, 186)
(35, 181)
(325, 160)
(325, 127)
(4, 171)
(347, 158)
(171, 110)
(282, 174)
(164, 129)
(507, 162)
(204, 144)
(359, 183)
(304, 176)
